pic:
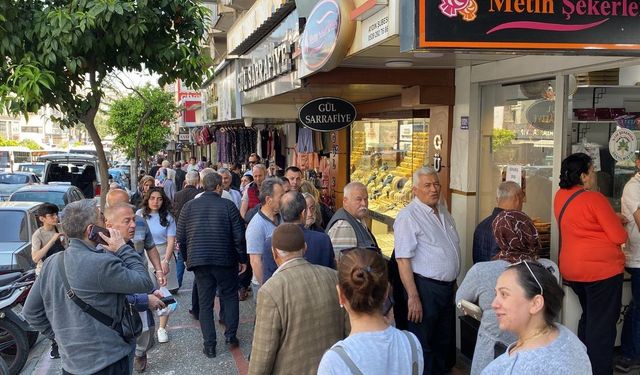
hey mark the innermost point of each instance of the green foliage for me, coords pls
(30, 144)
(501, 138)
(8, 142)
(126, 114)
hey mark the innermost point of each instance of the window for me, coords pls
(16, 226)
(31, 129)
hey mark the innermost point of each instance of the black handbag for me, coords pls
(129, 324)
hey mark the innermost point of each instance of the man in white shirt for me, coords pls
(630, 358)
(235, 195)
(427, 250)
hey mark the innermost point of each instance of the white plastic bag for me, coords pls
(170, 308)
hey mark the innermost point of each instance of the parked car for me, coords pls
(58, 194)
(81, 171)
(18, 220)
(37, 168)
(10, 182)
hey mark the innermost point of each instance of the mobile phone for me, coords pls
(167, 300)
(470, 309)
(93, 234)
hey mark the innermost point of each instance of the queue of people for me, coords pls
(322, 289)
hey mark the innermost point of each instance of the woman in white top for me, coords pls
(155, 210)
(373, 346)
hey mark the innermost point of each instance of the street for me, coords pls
(183, 353)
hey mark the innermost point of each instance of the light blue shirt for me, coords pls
(374, 353)
(430, 241)
(257, 232)
(159, 232)
(565, 355)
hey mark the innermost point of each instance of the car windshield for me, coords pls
(15, 226)
(33, 168)
(7, 178)
(55, 197)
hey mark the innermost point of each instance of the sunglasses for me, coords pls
(531, 272)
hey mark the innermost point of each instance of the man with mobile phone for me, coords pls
(99, 277)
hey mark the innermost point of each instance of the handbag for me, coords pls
(129, 324)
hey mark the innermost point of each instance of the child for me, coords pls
(46, 241)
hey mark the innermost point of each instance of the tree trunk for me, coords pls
(89, 123)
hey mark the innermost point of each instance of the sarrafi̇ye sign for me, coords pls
(605, 27)
(327, 114)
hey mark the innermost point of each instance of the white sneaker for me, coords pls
(162, 335)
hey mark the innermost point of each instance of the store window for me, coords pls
(604, 115)
(384, 154)
(517, 145)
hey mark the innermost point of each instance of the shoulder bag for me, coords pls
(564, 207)
(129, 324)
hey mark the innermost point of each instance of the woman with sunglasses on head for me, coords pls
(373, 346)
(527, 303)
(517, 239)
(156, 211)
(591, 260)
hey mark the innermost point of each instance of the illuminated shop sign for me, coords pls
(606, 27)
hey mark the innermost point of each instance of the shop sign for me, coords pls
(327, 114)
(375, 28)
(327, 36)
(571, 26)
(623, 144)
(277, 62)
(541, 114)
(183, 137)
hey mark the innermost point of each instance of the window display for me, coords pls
(384, 154)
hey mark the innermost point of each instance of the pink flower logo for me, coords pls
(466, 8)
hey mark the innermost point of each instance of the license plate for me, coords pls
(17, 309)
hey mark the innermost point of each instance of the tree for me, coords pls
(140, 121)
(30, 144)
(59, 52)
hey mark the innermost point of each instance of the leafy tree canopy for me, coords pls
(28, 143)
(58, 52)
(126, 114)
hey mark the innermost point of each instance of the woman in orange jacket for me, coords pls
(591, 260)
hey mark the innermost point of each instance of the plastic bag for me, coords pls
(170, 308)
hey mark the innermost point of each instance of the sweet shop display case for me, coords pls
(384, 154)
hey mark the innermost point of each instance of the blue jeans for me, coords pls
(631, 326)
(180, 267)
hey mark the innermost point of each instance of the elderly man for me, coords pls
(509, 196)
(294, 175)
(120, 216)
(346, 228)
(298, 316)
(227, 178)
(427, 250)
(223, 193)
(101, 278)
(319, 249)
(262, 226)
(251, 196)
(211, 238)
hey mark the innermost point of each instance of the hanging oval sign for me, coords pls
(327, 114)
(541, 114)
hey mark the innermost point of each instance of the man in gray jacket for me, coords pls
(101, 278)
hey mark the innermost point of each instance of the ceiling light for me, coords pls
(428, 55)
(398, 63)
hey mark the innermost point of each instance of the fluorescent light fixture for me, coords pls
(398, 63)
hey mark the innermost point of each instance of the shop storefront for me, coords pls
(549, 93)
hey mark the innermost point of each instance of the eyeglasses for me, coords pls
(531, 272)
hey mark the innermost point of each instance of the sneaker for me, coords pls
(162, 335)
(625, 365)
(54, 353)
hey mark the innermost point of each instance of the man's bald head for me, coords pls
(117, 196)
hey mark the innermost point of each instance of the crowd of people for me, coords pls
(327, 301)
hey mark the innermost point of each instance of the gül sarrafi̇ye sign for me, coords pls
(572, 26)
(327, 114)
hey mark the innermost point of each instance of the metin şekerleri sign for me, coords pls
(571, 26)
